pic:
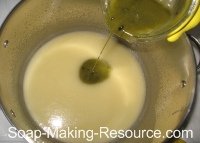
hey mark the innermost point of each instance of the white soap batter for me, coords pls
(57, 98)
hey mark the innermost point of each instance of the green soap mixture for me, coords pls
(90, 74)
(136, 17)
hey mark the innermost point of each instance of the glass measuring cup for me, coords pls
(151, 19)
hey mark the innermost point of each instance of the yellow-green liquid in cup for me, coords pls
(136, 17)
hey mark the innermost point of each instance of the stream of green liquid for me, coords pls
(128, 18)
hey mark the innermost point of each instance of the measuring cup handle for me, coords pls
(197, 43)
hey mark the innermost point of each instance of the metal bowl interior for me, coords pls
(169, 68)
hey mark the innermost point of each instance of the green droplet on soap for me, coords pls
(90, 75)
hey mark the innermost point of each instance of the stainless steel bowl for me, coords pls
(170, 69)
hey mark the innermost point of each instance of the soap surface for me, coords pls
(56, 97)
